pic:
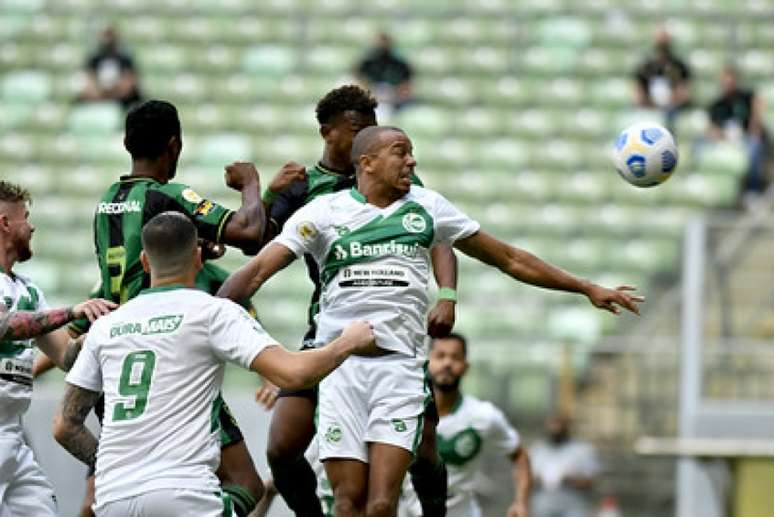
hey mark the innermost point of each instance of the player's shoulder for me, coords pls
(178, 190)
(424, 195)
(481, 409)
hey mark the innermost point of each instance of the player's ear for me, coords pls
(325, 130)
(365, 162)
(145, 262)
(197, 258)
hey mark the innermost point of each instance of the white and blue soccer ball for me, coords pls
(645, 154)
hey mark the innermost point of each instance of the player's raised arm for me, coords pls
(245, 281)
(300, 370)
(528, 268)
(245, 228)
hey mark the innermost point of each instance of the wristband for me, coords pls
(447, 293)
(269, 196)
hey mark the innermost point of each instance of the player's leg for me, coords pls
(237, 473)
(388, 465)
(290, 433)
(428, 472)
(29, 491)
(349, 482)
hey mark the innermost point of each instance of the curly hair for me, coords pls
(13, 193)
(345, 98)
(149, 126)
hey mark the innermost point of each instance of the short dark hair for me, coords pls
(367, 139)
(13, 193)
(458, 337)
(168, 239)
(345, 98)
(148, 128)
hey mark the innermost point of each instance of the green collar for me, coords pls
(130, 178)
(457, 403)
(357, 195)
(325, 170)
(162, 288)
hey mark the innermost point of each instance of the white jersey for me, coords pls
(17, 293)
(375, 262)
(159, 360)
(472, 426)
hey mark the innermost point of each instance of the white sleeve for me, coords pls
(86, 373)
(503, 438)
(235, 336)
(587, 462)
(450, 223)
(302, 233)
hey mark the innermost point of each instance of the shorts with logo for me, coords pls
(24, 488)
(371, 400)
(162, 503)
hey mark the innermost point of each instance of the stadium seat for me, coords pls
(270, 60)
(96, 118)
(28, 86)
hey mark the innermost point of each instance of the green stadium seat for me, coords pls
(17, 147)
(571, 325)
(26, 86)
(330, 60)
(549, 60)
(13, 24)
(221, 149)
(269, 60)
(96, 118)
(722, 157)
(13, 114)
(566, 31)
(425, 120)
(23, 6)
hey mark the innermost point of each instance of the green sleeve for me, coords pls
(209, 217)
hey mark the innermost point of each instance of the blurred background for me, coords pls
(512, 106)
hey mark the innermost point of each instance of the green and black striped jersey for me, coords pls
(120, 215)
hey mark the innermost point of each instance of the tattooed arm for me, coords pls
(60, 347)
(19, 325)
(69, 428)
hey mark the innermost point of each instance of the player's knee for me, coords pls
(345, 506)
(380, 507)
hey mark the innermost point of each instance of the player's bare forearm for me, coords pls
(245, 281)
(444, 266)
(246, 227)
(71, 352)
(521, 473)
(69, 428)
(519, 264)
(20, 325)
(41, 365)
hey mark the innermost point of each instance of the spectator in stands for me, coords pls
(386, 74)
(662, 81)
(564, 470)
(737, 114)
(110, 73)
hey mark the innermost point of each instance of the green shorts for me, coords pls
(224, 422)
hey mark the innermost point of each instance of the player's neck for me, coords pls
(8, 258)
(335, 163)
(150, 169)
(187, 280)
(377, 195)
(445, 401)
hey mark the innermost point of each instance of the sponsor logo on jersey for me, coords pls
(341, 230)
(414, 223)
(333, 434)
(158, 325)
(119, 208)
(307, 230)
(191, 196)
(204, 208)
(358, 249)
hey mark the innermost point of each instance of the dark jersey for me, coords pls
(736, 106)
(319, 181)
(123, 211)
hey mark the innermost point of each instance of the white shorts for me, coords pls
(371, 400)
(168, 503)
(24, 488)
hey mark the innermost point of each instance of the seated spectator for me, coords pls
(563, 470)
(111, 74)
(738, 115)
(386, 74)
(662, 81)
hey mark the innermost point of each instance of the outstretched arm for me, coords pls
(440, 320)
(521, 473)
(19, 325)
(245, 228)
(300, 370)
(69, 428)
(528, 268)
(245, 281)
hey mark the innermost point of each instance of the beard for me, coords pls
(449, 386)
(23, 250)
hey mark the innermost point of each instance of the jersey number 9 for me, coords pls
(134, 383)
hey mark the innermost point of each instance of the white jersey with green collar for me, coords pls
(472, 426)
(375, 262)
(159, 360)
(17, 293)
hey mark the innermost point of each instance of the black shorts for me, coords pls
(308, 393)
(228, 429)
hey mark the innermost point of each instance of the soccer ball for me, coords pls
(645, 154)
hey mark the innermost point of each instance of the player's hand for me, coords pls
(267, 394)
(241, 174)
(360, 339)
(93, 309)
(612, 299)
(289, 173)
(518, 510)
(440, 321)
(211, 250)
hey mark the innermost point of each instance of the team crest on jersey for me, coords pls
(414, 223)
(333, 434)
(191, 196)
(204, 208)
(399, 425)
(307, 230)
